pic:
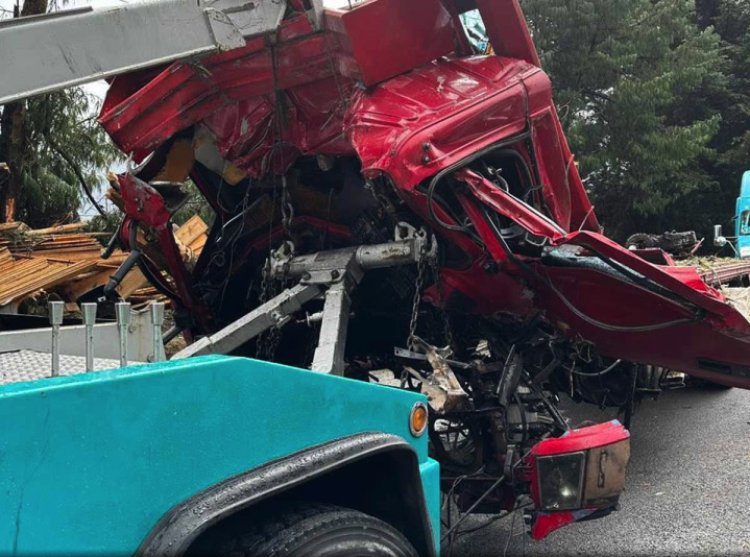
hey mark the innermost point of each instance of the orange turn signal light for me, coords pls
(418, 419)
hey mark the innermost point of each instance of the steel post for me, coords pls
(157, 320)
(329, 355)
(122, 312)
(56, 319)
(89, 320)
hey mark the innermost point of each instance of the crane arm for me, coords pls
(46, 53)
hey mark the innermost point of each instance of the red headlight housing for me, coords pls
(577, 475)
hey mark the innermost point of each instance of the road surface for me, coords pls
(687, 492)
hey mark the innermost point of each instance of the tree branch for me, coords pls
(68, 159)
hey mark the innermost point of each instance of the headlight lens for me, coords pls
(560, 480)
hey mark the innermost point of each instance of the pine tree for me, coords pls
(628, 75)
(54, 151)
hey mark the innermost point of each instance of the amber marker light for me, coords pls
(418, 419)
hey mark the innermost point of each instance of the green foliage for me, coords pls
(633, 82)
(109, 222)
(62, 137)
(195, 204)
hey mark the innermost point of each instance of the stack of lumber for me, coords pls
(66, 242)
(24, 276)
(67, 260)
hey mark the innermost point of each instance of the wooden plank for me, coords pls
(15, 226)
(132, 282)
(49, 276)
(192, 230)
(60, 228)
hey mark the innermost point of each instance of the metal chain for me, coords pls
(262, 299)
(265, 284)
(421, 268)
(447, 330)
(274, 334)
(287, 209)
(267, 341)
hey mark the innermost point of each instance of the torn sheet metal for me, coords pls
(422, 126)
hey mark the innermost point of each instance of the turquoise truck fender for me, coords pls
(110, 462)
(375, 473)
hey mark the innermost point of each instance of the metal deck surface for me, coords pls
(29, 365)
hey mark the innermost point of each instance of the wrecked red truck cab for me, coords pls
(313, 145)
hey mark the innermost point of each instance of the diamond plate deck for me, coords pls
(29, 365)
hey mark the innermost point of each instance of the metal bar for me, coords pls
(56, 319)
(47, 53)
(157, 320)
(329, 354)
(271, 314)
(410, 355)
(377, 256)
(89, 320)
(392, 254)
(122, 312)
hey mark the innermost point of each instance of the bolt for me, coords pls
(335, 274)
(426, 146)
(306, 276)
(426, 159)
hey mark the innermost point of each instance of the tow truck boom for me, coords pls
(78, 46)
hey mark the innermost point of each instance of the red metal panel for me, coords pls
(590, 437)
(605, 434)
(455, 107)
(381, 39)
(505, 204)
(295, 97)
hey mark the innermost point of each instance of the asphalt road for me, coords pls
(687, 491)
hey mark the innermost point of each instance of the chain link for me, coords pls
(447, 330)
(431, 259)
(421, 268)
(267, 341)
(287, 209)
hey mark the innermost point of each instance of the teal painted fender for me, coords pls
(90, 463)
(379, 459)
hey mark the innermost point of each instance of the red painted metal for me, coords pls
(591, 437)
(419, 123)
(576, 440)
(269, 102)
(546, 523)
(507, 205)
(144, 205)
(380, 40)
